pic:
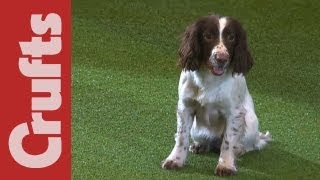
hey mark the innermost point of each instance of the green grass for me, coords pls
(125, 87)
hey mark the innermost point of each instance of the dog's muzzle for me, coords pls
(219, 62)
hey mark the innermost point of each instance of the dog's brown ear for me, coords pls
(242, 60)
(190, 50)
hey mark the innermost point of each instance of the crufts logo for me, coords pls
(45, 78)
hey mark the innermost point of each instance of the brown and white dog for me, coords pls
(214, 104)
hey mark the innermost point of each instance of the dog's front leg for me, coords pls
(235, 127)
(178, 155)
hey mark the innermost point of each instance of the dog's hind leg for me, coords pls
(204, 140)
(254, 139)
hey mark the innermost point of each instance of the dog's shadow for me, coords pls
(270, 163)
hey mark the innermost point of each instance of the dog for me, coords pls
(215, 106)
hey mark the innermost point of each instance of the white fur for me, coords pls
(205, 96)
(222, 25)
(220, 47)
(215, 107)
(222, 94)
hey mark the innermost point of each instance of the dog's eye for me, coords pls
(208, 36)
(231, 37)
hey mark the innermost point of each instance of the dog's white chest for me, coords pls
(214, 97)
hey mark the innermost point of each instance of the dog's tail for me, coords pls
(263, 140)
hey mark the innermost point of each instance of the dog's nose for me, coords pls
(221, 57)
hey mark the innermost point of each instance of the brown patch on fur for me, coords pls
(239, 116)
(200, 38)
(169, 164)
(234, 129)
(224, 171)
(241, 60)
(180, 141)
(196, 41)
(226, 142)
(225, 145)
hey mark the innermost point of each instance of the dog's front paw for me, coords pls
(171, 164)
(223, 170)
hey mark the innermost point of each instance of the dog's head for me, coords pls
(220, 43)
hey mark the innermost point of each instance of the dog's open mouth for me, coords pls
(218, 69)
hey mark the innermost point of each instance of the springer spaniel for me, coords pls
(214, 104)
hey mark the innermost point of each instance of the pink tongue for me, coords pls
(217, 71)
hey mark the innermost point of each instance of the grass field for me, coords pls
(125, 87)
